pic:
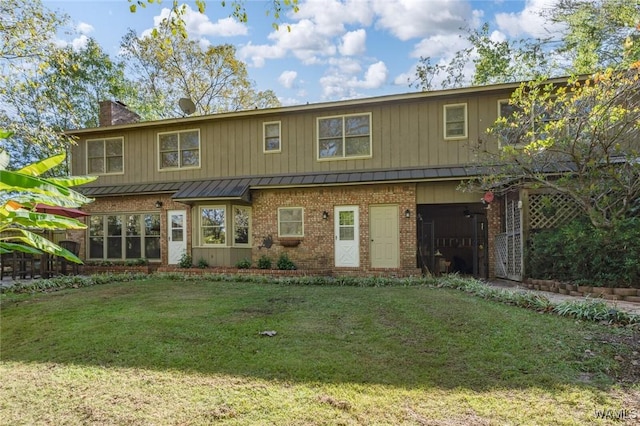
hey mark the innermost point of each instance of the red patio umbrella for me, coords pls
(60, 211)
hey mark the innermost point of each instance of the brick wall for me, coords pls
(316, 249)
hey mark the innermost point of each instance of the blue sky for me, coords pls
(334, 50)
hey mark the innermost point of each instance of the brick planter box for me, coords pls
(609, 293)
(115, 269)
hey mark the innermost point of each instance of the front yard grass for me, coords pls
(162, 351)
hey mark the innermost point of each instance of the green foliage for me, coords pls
(21, 191)
(284, 263)
(186, 261)
(579, 252)
(264, 262)
(136, 262)
(202, 263)
(244, 264)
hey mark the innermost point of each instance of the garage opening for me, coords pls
(453, 238)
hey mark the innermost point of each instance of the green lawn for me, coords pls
(169, 352)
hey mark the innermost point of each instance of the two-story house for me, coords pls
(360, 187)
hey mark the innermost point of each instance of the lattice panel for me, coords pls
(548, 211)
(500, 245)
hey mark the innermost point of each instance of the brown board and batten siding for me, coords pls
(405, 133)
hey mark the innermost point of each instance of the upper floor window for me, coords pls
(213, 225)
(347, 136)
(272, 137)
(508, 110)
(179, 150)
(105, 156)
(290, 222)
(455, 121)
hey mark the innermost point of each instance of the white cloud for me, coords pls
(407, 19)
(257, 54)
(354, 43)
(337, 85)
(199, 25)
(84, 28)
(529, 21)
(439, 45)
(288, 78)
(79, 43)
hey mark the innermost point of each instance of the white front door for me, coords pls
(177, 235)
(385, 236)
(347, 236)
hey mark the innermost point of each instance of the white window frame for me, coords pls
(248, 210)
(344, 138)
(445, 122)
(280, 234)
(224, 226)
(104, 155)
(264, 137)
(180, 167)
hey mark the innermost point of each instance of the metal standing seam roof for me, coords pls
(238, 187)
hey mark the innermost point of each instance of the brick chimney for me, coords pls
(114, 113)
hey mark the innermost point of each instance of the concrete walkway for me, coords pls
(633, 308)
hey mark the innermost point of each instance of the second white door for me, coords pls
(347, 236)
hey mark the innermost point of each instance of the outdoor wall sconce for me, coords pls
(325, 215)
(158, 204)
(407, 213)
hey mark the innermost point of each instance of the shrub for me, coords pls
(202, 263)
(580, 253)
(243, 264)
(264, 262)
(284, 263)
(186, 261)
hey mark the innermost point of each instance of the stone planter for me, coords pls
(570, 287)
(563, 291)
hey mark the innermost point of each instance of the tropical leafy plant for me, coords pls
(21, 191)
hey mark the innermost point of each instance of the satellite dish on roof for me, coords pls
(187, 106)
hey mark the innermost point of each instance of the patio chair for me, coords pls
(73, 247)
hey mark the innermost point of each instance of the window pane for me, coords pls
(272, 144)
(357, 125)
(347, 234)
(114, 225)
(114, 164)
(95, 149)
(133, 225)
(152, 224)
(96, 226)
(357, 146)
(455, 114)
(177, 235)
(330, 127)
(114, 147)
(96, 165)
(152, 248)
(134, 249)
(169, 142)
(455, 129)
(96, 247)
(114, 247)
(190, 158)
(272, 130)
(214, 235)
(241, 226)
(291, 228)
(330, 148)
(169, 159)
(189, 140)
(346, 218)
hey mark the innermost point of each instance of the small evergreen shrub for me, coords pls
(186, 261)
(264, 262)
(284, 263)
(203, 264)
(243, 264)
